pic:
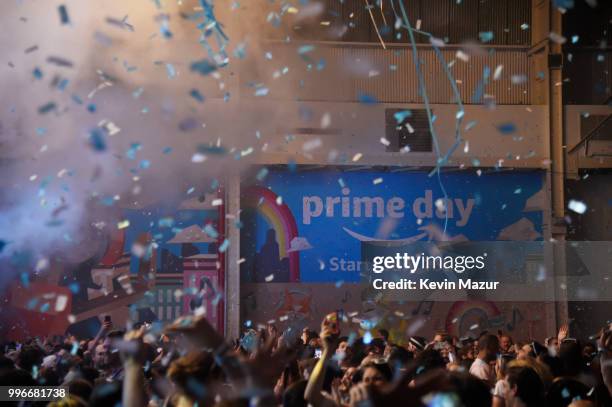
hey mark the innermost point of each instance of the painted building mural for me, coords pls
(309, 226)
(158, 263)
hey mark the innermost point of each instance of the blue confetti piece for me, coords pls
(485, 36)
(91, 108)
(63, 14)
(203, 67)
(144, 164)
(240, 51)
(565, 393)
(366, 99)
(63, 84)
(367, 338)
(25, 280)
(38, 74)
(167, 222)
(74, 287)
(566, 4)
(131, 152)
(167, 150)
(506, 128)
(97, 140)
(41, 131)
(274, 19)
(46, 108)
(75, 348)
(402, 115)
(208, 149)
(77, 99)
(194, 93)
(304, 49)
(211, 231)
(321, 64)
(165, 30)
(292, 166)
(31, 304)
(107, 201)
(45, 307)
(263, 173)
(224, 246)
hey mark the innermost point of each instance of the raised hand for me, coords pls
(604, 345)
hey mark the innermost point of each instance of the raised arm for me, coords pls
(329, 335)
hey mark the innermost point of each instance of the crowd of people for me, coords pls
(188, 363)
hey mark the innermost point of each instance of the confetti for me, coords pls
(402, 115)
(498, 72)
(63, 14)
(47, 107)
(485, 36)
(171, 71)
(366, 99)
(577, 206)
(123, 224)
(506, 128)
(224, 246)
(97, 140)
(262, 174)
(194, 93)
(559, 39)
(61, 62)
(203, 67)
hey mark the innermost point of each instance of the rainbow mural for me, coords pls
(278, 217)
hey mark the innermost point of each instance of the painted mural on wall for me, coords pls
(309, 226)
(159, 263)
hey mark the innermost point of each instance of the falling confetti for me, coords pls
(577, 206)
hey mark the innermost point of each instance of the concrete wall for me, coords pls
(595, 224)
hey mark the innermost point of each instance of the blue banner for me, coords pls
(308, 225)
